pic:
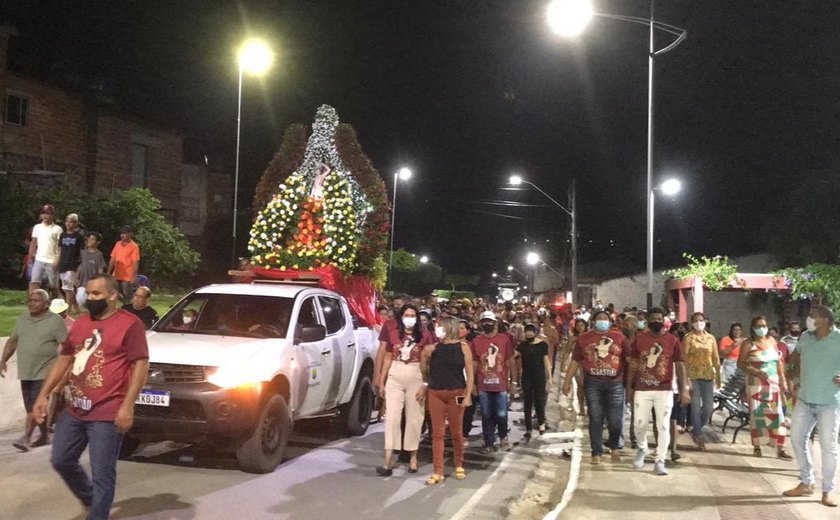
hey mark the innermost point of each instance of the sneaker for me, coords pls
(527, 434)
(486, 450)
(659, 468)
(22, 444)
(596, 459)
(639, 459)
(43, 440)
(543, 427)
(504, 445)
(615, 456)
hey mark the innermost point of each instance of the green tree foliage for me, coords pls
(820, 282)
(165, 252)
(716, 272)
(411, 276)
(805, 231)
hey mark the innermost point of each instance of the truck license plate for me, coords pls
(153, 397)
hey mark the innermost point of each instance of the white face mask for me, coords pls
(811, 324)
(699, 326)
(187, 320)
(440, 333)
(409, 322)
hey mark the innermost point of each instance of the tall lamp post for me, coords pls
(404, 174)
(516, 180)
(569, 18)
(255, 58)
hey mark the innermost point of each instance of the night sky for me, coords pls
(467, 92)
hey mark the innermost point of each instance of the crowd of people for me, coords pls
(80, 372)
(439, 359)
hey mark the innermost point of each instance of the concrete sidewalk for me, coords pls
(726, 482)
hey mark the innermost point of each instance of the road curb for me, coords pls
(553, 481)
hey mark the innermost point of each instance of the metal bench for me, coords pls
(729, 399)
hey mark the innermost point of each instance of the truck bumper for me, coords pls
(198, 411)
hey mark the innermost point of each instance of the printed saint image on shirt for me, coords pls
(604, 357)
(653, 369)
(490, 364)
(406, 348)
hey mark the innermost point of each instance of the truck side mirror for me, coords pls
(312, 333)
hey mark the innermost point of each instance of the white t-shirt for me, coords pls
(47, 237)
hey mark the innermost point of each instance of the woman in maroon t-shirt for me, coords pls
(401, 384)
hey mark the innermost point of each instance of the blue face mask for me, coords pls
(642, 324)
(602, 325)
(760, 331)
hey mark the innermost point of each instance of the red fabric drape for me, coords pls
(357, 290)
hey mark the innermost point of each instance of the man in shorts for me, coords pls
(44, 251)
(124, 263)
(35, 338)
(70, 246)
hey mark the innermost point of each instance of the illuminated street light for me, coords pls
(255, 58)
(495, 275)
(401, 174)
(532, 258)
(424, 259)
(569, 17)
(670, 187)
(515, 180)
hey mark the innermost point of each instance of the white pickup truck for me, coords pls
(234, 365)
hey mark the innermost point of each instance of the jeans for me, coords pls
(729, 367)
(827, 418)
(534, 396)
(71, 438)
(494, 409)
(702, 404)
(604, 399)
(661, 401)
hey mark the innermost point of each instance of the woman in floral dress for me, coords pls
(766, 387)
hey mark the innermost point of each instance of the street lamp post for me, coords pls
(404, 174)
(569, 18)
(516, 180)
(255, 58)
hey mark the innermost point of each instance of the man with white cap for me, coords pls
(35, 338)
(493, 357)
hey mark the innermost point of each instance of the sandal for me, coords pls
(434, 480)
(757, 451)
(460, 474)
(783, 455)
(382, 471)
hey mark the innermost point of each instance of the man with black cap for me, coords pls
(44, 251)
(124, 263)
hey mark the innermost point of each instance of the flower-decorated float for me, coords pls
(325, 215)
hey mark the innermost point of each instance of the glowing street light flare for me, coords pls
(424, 259)
(495, 275)
(404, 174)
(515, 180)
(671, 187)
(532, 258)
(255, 57)
(569, 17)
(510, 268)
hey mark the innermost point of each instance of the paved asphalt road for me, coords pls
(324, 476)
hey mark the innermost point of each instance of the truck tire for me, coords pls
(129, 446)
(263, 450)
(360, 407)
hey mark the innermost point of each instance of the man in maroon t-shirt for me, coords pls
(602, 353)
(650, 385)
(108, 359)
(493, 359)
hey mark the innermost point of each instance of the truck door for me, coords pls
(340, 331)
(316, 360)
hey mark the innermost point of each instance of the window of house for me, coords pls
(17, 109)
(139, 165)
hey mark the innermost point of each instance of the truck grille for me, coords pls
(169, 373)
(178, 409)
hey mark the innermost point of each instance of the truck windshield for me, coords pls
(229, 315)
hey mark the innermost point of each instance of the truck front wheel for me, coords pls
(360, 407)
(263, 451)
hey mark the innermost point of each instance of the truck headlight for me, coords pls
(230, 377)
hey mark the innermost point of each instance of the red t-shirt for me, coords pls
(655, 357)
(492, 354)
(404, 349)
(602, 356)
(104, 351)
